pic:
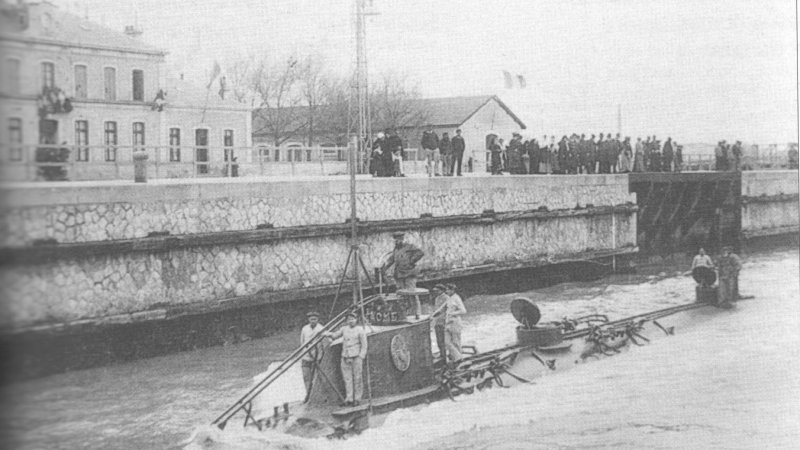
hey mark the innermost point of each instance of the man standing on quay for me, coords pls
(458, 153)
(404, 258)
(430, 144)
(354, 350)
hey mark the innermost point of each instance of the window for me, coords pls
(138, 86)
(227, 142)
(308, 155)
(110, 83)
(80, 81)
(82, 139)
(201, 150)
(12, 76)
(48, 75)
(277, 154)
(263, 154)
(174, 144)
(111, 141)
(15, 137)
(298, 155)
(138, 136)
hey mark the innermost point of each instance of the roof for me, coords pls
(438, 112)
(455, 111)
(183, 94)
(47, 24)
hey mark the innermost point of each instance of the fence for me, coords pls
(21, 162)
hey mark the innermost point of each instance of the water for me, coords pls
(731, 383)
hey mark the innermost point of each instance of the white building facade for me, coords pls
(101, 93)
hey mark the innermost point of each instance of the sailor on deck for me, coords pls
(439, 300)
(311, 329)
(701, 259)
(404, 258)
(453, 309)
(354, 350)
(729, 266)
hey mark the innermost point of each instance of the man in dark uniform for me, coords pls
(458, 153)
(404, 258)
(667, 155)
(602, 154)
(534, 154)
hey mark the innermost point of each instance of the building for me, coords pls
(101, 94)
(478, 117)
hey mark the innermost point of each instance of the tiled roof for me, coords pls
(456, 110)
(439, 112)
(46, 23)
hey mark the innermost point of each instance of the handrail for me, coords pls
(291, 360)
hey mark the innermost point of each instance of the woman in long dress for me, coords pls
(496, 151)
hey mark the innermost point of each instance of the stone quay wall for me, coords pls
(79, 253)
(770, 203)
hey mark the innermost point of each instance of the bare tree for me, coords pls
(240, 80)
(313, 83)
(395, 104)
(277, 111)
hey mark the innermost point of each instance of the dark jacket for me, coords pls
(404, 258)
(395, 144)
(458, 144)
(445, 147)
(430, 140)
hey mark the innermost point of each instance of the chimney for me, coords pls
(132, 31)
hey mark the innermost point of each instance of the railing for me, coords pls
(708, 162)
(21, 162)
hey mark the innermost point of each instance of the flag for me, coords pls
(509, 80)
(522, 82)
(222, 87)
(214, 74)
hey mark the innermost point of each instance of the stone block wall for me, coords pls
(69, 289)
(107, 210)
(770, 203)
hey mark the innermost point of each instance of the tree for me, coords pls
(240, 77)
(276, 101)
(313, 83)
(395, 104)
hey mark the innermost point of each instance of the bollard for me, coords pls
(140, 166)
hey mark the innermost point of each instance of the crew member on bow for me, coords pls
(404, 258)
(354, 350)
(311, 329)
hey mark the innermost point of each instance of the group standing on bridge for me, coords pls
(576, 154)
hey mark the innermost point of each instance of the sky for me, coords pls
(695, 70)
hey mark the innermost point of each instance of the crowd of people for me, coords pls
(581, 155)
(576, 154)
